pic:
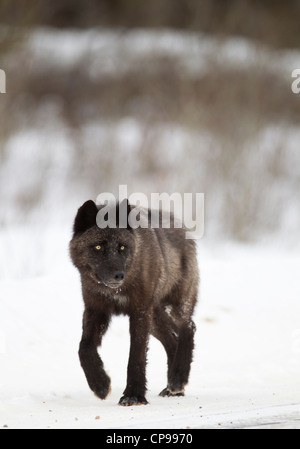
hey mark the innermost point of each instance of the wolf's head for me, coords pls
(102, 255)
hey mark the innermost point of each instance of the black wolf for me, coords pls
(149, 274)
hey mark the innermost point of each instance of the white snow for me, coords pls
(115, 52)
(247, 358)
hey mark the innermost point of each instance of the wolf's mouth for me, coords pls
(113, 285)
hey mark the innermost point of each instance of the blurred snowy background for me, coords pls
(164, 96)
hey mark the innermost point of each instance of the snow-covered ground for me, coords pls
(246, 367)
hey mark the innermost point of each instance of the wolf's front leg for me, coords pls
(94, 327)
(135, 391)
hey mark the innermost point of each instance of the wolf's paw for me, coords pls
(166, 392)
(102, 388)
(127, 401)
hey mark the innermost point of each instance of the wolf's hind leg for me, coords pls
(178, 373)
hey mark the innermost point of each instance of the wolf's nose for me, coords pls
(119, 275)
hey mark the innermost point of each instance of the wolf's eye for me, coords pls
(122, 248)
(98, 247)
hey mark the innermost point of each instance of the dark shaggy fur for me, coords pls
(151, 275)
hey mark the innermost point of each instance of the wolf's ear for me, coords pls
(86, 217)
(123, 210)
(125, 204)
